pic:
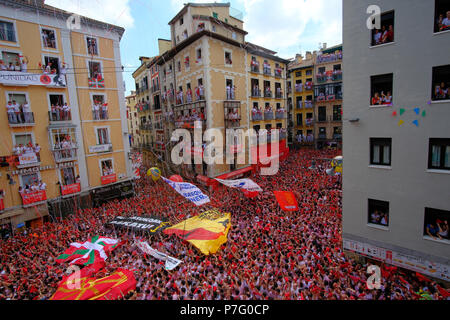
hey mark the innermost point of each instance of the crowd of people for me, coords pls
(442, 91)
(29, 148)
(21, 65)
(19, 113)
(443, 22)
(270, 254)
(61, 112)
(33, 187)
(100, 110)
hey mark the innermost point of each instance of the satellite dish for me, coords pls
(331, 172)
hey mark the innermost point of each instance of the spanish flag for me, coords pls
(109, 288)
(207, 231)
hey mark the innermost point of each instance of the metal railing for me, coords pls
(21, 119)
(257, 116)
(67, 154)
(99, 115)
(268, 115)
(267, 71)
(254, 68)
(280, 114)
(256, 93)
(56, 116)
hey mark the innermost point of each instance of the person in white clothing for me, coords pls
(28, 116)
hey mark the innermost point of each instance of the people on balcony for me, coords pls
(441, 91)
(298, 87)
(189, 95)
(180, 98)
(233, 116)
(383, 99)
(267, 92)
(266, 67)
(21, 149)
(104, 111)
(385, 35)
(19, 113)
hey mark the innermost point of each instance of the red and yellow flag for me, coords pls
(207, 231)
(109, 288)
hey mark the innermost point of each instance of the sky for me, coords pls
(288, 27)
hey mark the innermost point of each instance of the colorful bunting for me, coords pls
(400, 123)
(416, 122)
(417, 110)
(402, 111)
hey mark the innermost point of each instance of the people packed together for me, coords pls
(33, 187)
(441, 91)
(443, 22)
(270, 254)
(100, 110)
(385, 35)
(383, 99)
(61, 112)
(19, 113)
(29, 148)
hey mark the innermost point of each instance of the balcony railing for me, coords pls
(254, 67)
(232, 114)
(278, 73)
(189, 124)
(280, 114)
(309, 85)
(337, 136)
(63, 155)
(337, 76)
(325, 58)
(142, 107)
(308, 104)
(278, 95)
(231, 95)
(298, 88)
(257, 116)
(321, 78)
(267, 70)
(26, 160)
(256, 93)
(22, 119)
(267, 94)
(268, 115)
(100, 115)
(309, 121)
(299, 105)
(146, 126)
(58, 116)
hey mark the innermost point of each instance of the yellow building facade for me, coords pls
(67, 138)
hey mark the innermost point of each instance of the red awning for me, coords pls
(235, 174)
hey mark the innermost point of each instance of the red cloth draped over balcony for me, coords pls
(70, 189)
(2, 204)
(34, 197)
(109, 179)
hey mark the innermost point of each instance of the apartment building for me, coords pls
(301, 99)
(133, 120)
(328, 97)
(396, 182)
(64, 134)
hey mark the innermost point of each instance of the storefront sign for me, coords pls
(30, 198)
(70, 189)
(414, 263)
(109, 179)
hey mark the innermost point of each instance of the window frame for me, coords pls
(443, 143)
(106, 159)
(96, 61)
(16, 35)
(44, 48)
(380, 142)
(435, 26)
(108, 129)
(98, 45)
(372, 89)
(378, 203)
(372, 31)
(429, 211)
(433, 82)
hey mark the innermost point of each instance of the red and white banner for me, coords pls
(30, 198)
(13, 78)
(109, 179)
(70, 189)
(28, 158)
(286, 200)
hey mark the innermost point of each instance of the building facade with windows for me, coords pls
(396, 182)
(65, 118)
(301, 97)
(133, 120)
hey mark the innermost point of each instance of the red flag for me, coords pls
(443, 292)
(286, 200)
(422, 277)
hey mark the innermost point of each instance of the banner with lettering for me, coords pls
(109, 179)
(150, 224)
(171, 262)
(70, 189)
(14, 78)
(30, 198)
(189, 191)
(28, 158)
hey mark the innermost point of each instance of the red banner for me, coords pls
(70, 189)
(30, 198)
(2, 204)
(286, 200)
(109, 179)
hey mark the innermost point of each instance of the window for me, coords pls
(228, 60)
(56, 99)
(337, 113)
(181, 21)
(107, 167)
(9, 57)
(179, 66)
(53, 62)
(442, 16)
(321, 70)
(322, 116)
(92, 46)
(23, 139)
(439, 154)
(199, 55)
(215, 15)
(298, 74)
(378, 212)
(299, 119)
(322, 132)
(68, 176)
(309, 73)
(441, 83)
(436, 224)
(381, 89)
(103, 136)
(7, 31)
(233, 35)
(29, 179)
(95, 70)
(380, 151)
(386, 33)
(48, 38)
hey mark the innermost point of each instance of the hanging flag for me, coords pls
(248, 186)
(189, 191)
(171, 262)
(112, 287)
(89, 252)
(286, 200)
(207, 231)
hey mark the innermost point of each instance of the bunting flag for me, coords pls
(189, 191)
(207, 231)
(286, 200)
(109, 288)
(248, 186)
(89, 252)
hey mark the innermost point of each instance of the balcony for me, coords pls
(309, 86)
(59, 116)
(65, 154)
(337, 76)
(142, 107)
(268, 115)
(26, 160)
(189, 124)
(99, 115)
(267, 70)
(309, 121)
(299, 105)
(70, 189)
(337, 137)
(232, 113)
(230, 95)
(298, 87)
(159, 126)
(108, 179)
(267, 94)
(256, 93)
(33, 198)
(257, 116)
(160, 146)
(278, 95)
(146, 126)
(280, 114)
(254, 67)
(325, 58)
(321, 78)
(22, 119)
(308, 104)
(278, 73)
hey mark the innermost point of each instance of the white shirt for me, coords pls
(10, 108)
(42, 186)
(377, 37)
(26, 107)
(16, 107)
